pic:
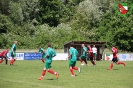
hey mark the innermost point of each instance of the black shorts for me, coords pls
(115, 60)
(91, 58)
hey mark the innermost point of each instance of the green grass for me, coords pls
(24, 74)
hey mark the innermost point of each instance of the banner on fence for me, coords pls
(122, 57)
(32, 56)
(20, 56)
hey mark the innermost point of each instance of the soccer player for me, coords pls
(3, 55)
(115, 58)
(94, 49)
(50, 53)
(83, 57)
(13, 53)
(91, 55)
(41, 50)
(73, 58)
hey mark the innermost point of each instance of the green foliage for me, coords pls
(50, 12)
(36, 22)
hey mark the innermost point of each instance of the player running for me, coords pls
(3, 55)
(115, 58)
(50, 53)
(41, 50)
(13, 53)
(73, 58)
(83, 57)
(90, 53)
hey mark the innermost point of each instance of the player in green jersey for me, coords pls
(13, 53)
(72, 60)
(41, 50)
(50, 53)
(83, 56)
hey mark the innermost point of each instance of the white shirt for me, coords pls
(94, 49)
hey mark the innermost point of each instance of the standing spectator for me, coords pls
(94, 49)
(73, 58)
(83, 56)
(91, 55)
(3, 55)
(50, 53)
(13, 53)
(41, 50)
(115, 58)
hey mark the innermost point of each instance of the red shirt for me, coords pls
(3, 52)
(114, 50)
(90, 52)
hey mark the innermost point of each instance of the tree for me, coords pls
(49, 12)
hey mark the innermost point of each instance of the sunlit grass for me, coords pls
(24, 74)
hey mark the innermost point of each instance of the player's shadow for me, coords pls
(50, 79)
(116, 69)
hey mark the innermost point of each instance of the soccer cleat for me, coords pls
(73, 75)
(79, 69)
(40, 78)
(94, 65)
(57, 75)
(109, 69)
(124, 64)
(82, 64)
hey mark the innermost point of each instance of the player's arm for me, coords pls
(12, 49)
(68, 57)
(54, 53)
(70, 54)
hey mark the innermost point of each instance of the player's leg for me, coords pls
(43, 56)
(51, 71)
(43, 74)
(92, 61)
(112, 64)
(94, 56)
(1, 60)
(12, 59)
(6, 60)
(76, 68)
(46, 65)
(123, 63)
(71, 67)
(80, 59)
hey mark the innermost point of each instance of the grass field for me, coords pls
(24, 74)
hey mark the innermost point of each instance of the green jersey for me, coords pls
(73, 52)
(13, 49)
(41, 50)
(84, 49)
(50, 53)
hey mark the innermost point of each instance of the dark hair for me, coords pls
(71, 44)
(49, 44)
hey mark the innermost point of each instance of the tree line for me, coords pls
(36, 22)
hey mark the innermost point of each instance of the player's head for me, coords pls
(15, 42)
(71, 44)
(40, 47)
(88, 46)
(93, 45)
(49, 44)
(83, 45)
(113, 45)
